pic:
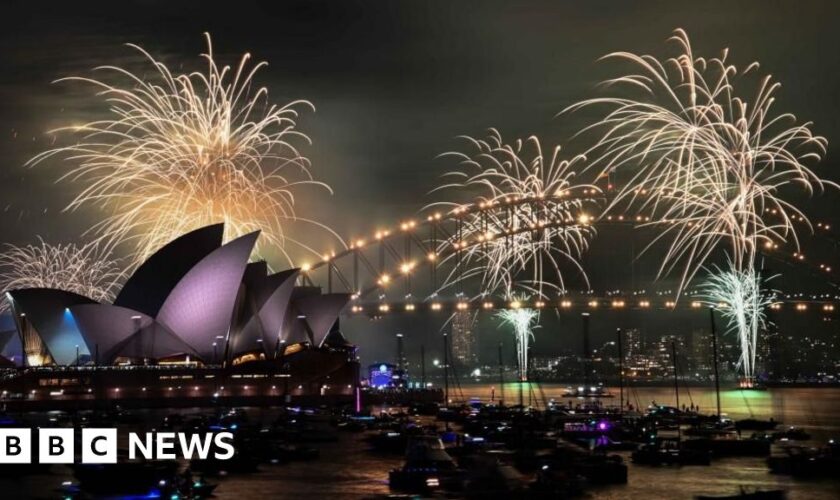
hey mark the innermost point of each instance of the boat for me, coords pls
(124, 477)
(791, 434)
(669, 452)
(181, 487)
(427, 467)
(751, 385)
(392, 441)
(188, 487)
(595, 391)
(754, 424)
(804, 462)
(554, 481)
(488, 477)
(664, 451)
(729, 444)
(747, 495)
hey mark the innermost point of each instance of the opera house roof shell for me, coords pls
(195, 296)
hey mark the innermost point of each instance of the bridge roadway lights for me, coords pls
(565, 304)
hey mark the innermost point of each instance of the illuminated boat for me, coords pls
(597, 391)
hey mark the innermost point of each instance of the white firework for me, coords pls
(523, 321)
(525, 218)
(86, 269)
(742, 301)
(708, 163)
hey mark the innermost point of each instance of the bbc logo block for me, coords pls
(15, 446)
(55, 446)
(99, 446)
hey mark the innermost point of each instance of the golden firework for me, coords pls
(181, 151)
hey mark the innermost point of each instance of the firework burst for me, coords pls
(86, 270)
(527, 218)
(742, 301)
(523, 321)
(708, 163)
(181, 151)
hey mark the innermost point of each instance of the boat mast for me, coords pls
(587, 352)
(676, 387)
(501, 377)
(445, 369)
(620, 372)
(423, 365)
(715, 359)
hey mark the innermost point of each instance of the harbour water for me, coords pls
(347, 468)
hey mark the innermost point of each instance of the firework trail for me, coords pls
(742, 300)
(530, 217)
(83, 269)
(523, 321)
(708, 163)
(181, 151)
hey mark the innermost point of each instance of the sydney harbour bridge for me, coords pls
(419, 264)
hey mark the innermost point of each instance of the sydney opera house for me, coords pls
(195, 322)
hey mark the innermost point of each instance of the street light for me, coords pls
(77, 354)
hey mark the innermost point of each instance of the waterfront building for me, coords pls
(196, 304)
(464, 341)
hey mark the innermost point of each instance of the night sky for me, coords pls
(393, 83)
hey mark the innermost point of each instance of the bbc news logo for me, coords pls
(99, 446)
